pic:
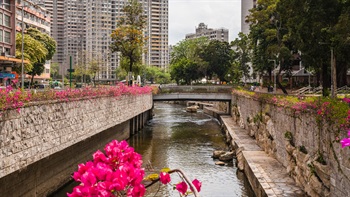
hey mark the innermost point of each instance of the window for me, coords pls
(6, 4)
(7, 20)
(1, 36)
(7, 37)
(1, 18)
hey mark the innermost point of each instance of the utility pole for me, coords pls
(333, 74)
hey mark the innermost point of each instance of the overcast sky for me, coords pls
(185, 15)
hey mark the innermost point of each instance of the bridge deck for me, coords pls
(193, 96)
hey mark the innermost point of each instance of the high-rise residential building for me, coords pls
(82, 29)
(246, 5)
(157, 46)
(212, 34)
(56, 8)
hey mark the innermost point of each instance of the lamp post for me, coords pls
(22, 57)
(333, 71)
(274, 75)
(333, 75)
(22, 47)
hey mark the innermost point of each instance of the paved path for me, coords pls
(266, 175)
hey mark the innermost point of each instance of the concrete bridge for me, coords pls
(195, 93)
(184, 96)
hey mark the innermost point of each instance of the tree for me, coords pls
(186, 58)
(128, 38)
(54, 69)
(314, 31)
(33, 51)
(41, 47)
(241, 54)
(154, 73)
(93, 69)
(185, 70)
(218, 56)
(270, 40)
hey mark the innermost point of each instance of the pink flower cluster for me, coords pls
(181, 187)
(89, 92)
(115, 173)
(346, 141)
(13, 98)
(16, 98)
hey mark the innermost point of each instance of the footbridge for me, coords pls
(184, 96)
(194, 93)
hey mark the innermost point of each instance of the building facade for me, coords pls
(212, 34)
(157, 33)
(246, 5)
(13, 12)
(8, 41)
(35, 16)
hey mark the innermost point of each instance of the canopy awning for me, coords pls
(5, 59)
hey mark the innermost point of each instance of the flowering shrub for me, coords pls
(118, 172)
(346, 141)
(16, 98)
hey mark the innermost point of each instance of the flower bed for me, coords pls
(16, 98)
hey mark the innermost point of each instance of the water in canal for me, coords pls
(175, 138)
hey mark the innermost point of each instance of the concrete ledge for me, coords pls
(266, 175)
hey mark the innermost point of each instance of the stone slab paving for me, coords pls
(272, 176)
(263, 171)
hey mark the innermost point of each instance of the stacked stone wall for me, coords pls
(307, 149)
(37, 136)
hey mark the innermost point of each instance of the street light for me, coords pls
(333, 71)
(274, 75)
(22, 48)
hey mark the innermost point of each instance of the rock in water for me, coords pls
(217, 153)
(228, 156)
(220, 163)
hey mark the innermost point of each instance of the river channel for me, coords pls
(175, 138)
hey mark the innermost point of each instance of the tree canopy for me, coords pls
(280, 29)
(128, 38)
(38, 48)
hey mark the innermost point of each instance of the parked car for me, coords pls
(41, 86)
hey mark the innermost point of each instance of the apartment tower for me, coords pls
(82, 29)
(246, 5)
(157, 46)
(212, 34)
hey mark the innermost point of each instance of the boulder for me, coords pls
(217, 153)
(228, 156)
(220, 163)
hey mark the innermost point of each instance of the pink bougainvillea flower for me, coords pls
(164, 178)
(345, 142)
(137, 191)
(197, 184)
(181, 187)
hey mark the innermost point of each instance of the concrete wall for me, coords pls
(42, 145)
(269, 124)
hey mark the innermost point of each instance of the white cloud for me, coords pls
(185, 15)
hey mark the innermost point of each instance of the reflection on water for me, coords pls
(177, 139)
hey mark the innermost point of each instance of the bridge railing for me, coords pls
(195, 89)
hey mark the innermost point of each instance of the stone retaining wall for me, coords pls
(309, 152)
(40, 131)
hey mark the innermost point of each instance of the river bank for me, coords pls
(266, 175)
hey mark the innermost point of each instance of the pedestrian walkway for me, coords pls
(266, 175)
